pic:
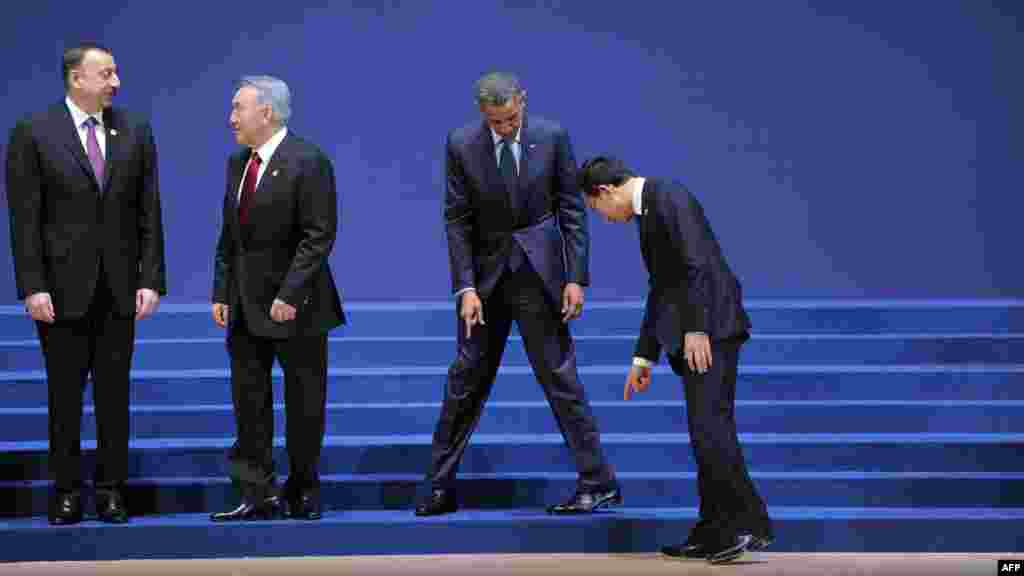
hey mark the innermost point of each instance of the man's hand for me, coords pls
(697, 349)
(281, 311)
(146, 301)
(638, 380)
(221, 314)
(572, 301)
(471, 309)
(40, 307)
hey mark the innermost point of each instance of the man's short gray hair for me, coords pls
(271, 91)
(496, 88)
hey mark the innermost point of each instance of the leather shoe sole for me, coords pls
(759, 543)
(732, 552)
(113, 518)
(299, 512)
(65, 520)
(689, 551)
(434, 509)
(270, 509)
(111, 510)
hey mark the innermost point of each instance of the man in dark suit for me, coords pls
(695, 312)
(274, 292)
(88, 258)
(518, 243)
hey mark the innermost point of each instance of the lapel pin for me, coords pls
(532, 146)
(113, 132)
(274, 173)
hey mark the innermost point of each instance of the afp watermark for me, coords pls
(1010, 567)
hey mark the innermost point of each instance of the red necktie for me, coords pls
(248, 188)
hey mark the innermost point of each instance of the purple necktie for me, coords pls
(92, 146)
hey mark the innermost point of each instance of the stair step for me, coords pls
(602, 382)
(490, 453)
(783, 417)
(772, 349)
(437, 318)
(178, 495)
(798, 529)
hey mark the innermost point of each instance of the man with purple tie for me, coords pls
(518, 244)
(88, 249)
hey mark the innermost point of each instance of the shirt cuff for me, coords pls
(467, 289)
(642, 362)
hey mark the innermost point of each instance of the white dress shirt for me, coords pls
(638, 195)
(266, 152)
(79, 116)
(516, 147)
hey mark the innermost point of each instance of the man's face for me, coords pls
(504, 119)
(95, 81)
(249, 119)
(613, 203)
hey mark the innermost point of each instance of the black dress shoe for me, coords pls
(441, 501)
(304, 507)
(268, 509)
(729, 551)
(692, 548)
(66, 508)
(110, 507)
(586, 502)
(760, 543)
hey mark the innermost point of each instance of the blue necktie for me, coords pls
(507, 165)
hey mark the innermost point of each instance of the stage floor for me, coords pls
(538, 564)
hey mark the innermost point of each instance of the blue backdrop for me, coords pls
(841, 149)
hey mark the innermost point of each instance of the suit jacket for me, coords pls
(549, 222)
(63, 222)
(692, 288)
(282, 250)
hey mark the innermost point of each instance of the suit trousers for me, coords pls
(303, 360)
(519, 296)
(99, 343)
(729, 502)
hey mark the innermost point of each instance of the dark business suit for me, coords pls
(89, 245)
(692, 289)
(518, 249)
(281, 252)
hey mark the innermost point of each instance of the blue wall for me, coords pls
(841, 149)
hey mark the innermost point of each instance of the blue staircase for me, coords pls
(868, 426)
